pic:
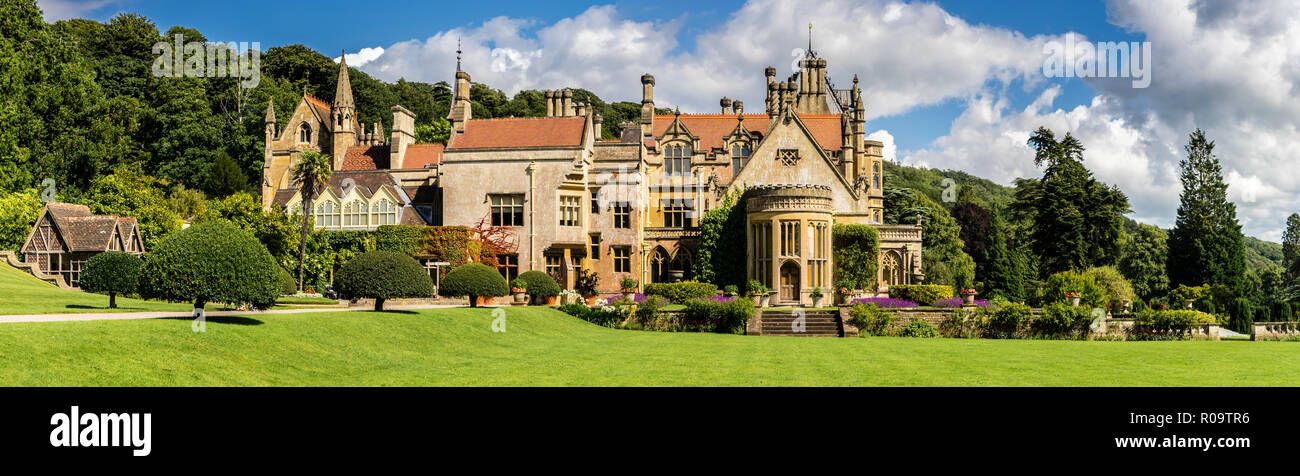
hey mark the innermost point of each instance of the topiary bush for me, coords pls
(112, 272)
(540, 285)
(682, 292)
(724, 315)
(474, 280)
(287, 284)
(213, 261)
(383, 275)
(925, 294)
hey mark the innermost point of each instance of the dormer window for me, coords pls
(739, 157)
(677, 159)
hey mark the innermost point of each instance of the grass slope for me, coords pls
(22, 293)
(545, 347)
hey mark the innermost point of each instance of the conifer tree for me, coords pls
(1206, 245)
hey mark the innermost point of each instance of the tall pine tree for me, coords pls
(1206, 245)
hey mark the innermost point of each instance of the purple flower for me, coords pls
(720, 299)
(884, 302)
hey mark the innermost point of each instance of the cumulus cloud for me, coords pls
(362, 57)
(1229, 68)
(889, 148)
(55, 10)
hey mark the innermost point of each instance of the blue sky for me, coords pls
(948, 84)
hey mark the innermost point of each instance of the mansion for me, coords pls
(628, 207)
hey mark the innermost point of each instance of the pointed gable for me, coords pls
(791, 153)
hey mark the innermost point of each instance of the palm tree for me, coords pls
(311, 174)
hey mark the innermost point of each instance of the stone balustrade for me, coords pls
(1275, 330)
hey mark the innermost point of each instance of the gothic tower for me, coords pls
(344, 114)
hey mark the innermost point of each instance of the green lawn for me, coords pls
(545, 347)
(22, 293)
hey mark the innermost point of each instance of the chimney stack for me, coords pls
(738, 107)
(550, 103)
(403, 135)
(596, 121)
(725, 103)
(461, 112)
(647, 104)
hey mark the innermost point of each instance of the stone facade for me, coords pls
(625, 208)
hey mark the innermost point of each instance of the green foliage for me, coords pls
(705, 315)
(628, 284)
(1054, 289)
(275, 229)
(112, 272)
(1173, 323)
(918, 328)
(1282, 311)
(605, 316)
(856, 253)
(944, 261)
(722, 231)
(1062, 321)
(871, 320)
(540, 284)
(587, 283)
(287, 284)
(473, 280)
(436, 132)
(1008, 320)
(931, 183)
(755, 286)
(1004, 272)
(1291, 248)
(18, 213)
(1112, 283)
(451, 244)
(1075, 221)
(214, 261)
(682, 292)
(384, 275)
(1206, 244)
(923, 294)
(1144, 261)
(128, 193)
(976, 224)
(1241, 316)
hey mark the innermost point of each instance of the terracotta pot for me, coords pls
(591, 300)
(758, 300)
(552, 300)
(484, 300)
(968, 299)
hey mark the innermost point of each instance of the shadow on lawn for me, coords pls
(236, 320)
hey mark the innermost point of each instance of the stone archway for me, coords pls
(891, 268)
(789, 280)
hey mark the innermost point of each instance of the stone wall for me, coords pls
(1275, 331)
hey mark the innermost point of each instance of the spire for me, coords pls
(458, 53)
(810, 53)
(270, 111)
(343, 91)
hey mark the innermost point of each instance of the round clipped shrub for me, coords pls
(112, 272)
(919, 328)
(213, 261)
(474, 280)
(540, 285)
(383, 275)
(287, 284)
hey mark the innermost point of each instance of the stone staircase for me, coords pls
(815, 324)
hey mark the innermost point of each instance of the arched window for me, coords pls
(355, 213)
(327, 214)
(739, 157)
(385, 213)
(659, 266)
(304, 133)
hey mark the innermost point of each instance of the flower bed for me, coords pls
(884, 302)
(957, 302)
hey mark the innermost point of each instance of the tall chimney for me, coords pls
(596, 121)
(461, 112)
(737, 108)
(647, 104)
(550, 103)
(567, 108)
(403, 135)
(725, 103)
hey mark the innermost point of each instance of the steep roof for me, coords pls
(419, 156)
(83, 231)
(520, 133)
(713, 128)
(343, 95)
(323, 111)
(366, 157)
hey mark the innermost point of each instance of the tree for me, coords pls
(1113, 285)
(539, 284)
(1075, 221)
(18, 213)
(213, 261)
(112, 272)
(474, 280)
(1291, 247)
(311, 174)
(722, 230)
(943, 258)
(437, 132)
(1144, 261)
(1004, 272)
(1206, 244)
(129, 193)
(856, 251)
(975, 222)
(383, 275)
(226, 177)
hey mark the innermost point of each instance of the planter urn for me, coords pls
(1074, 301)
(968, 299)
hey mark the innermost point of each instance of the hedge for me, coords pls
(112, 272)
(856, 251)
(1173, 323)
(383, 275)
(682, 292)
(1062, 320)
(729, 315)
(925, 294)
(871, 320)
(288, 285)
(213, 261)
(474, 280)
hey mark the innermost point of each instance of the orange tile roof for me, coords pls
(419, 156)
(712, 128)
(366, 157)
(520, 132)
(322, 108)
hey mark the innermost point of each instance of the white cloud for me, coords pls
(889, 148)
(366, 55)
(55, 10)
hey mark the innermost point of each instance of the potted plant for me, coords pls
(731, 290)
(1188, 303)
(757, 292)
(586, 284)
(845, 291)
(1073, 297)
(816, 295)
(968, 297)
(519, 288)
(628, 286)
